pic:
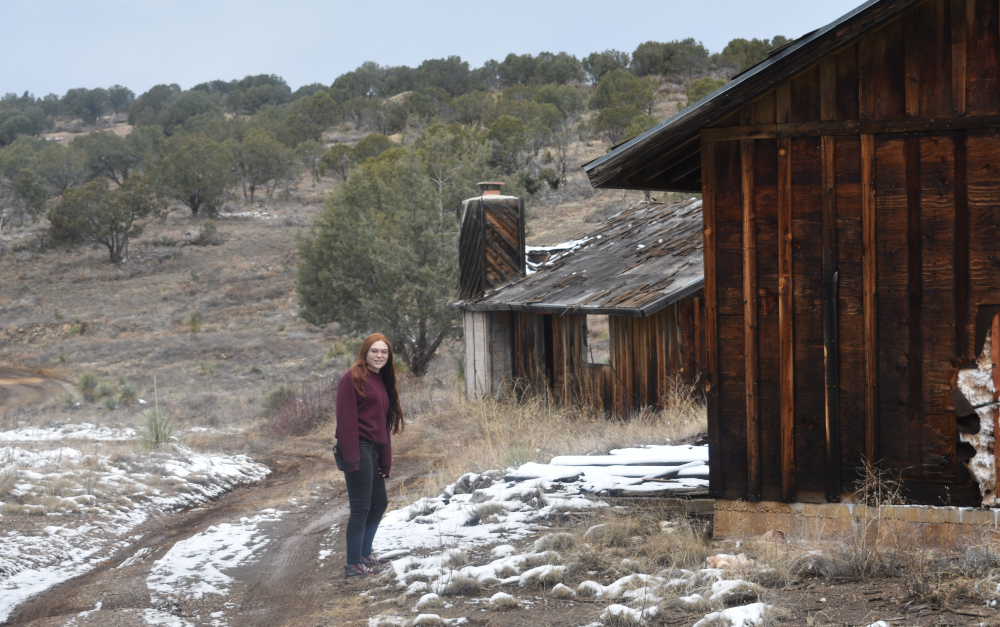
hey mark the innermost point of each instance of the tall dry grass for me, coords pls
(458, 435)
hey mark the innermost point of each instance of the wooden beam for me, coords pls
(962, 305)
(960, 10)
(754, 465)
(853, 127)
(786, 356)
(730, 133)
(869, 281)
(831, 343)
(915, 297)
(717, 465)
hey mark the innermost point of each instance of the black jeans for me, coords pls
(366, 492)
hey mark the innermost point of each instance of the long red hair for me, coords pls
(360, 372)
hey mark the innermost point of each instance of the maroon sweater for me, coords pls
(365, 418)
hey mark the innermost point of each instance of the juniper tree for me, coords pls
(381, 257)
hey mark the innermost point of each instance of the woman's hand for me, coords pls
(383, 473)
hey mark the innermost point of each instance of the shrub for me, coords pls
(193, 321)
(206, 367)
(127, 393)
(482, 512)
(255, 369)
(155, 427)
(8, 471)
(110, 403)
(515, 457)
(208, 235)
(87, 385)
(462, 585)
(105, 390)
(273, 400)
(294, 413)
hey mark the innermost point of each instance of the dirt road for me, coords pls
(287, 585)
(19, 389)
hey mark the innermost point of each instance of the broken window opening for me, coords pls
(598, 338)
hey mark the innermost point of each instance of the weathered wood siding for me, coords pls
(490, 244)
(852, 231)
(488, 368)
(648, 355)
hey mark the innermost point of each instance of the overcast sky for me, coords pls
(49, 46)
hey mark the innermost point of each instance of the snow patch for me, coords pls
(194, 567)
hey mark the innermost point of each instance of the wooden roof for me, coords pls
(668, 156)
(634, 264)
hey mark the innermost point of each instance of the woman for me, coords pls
(368, 412)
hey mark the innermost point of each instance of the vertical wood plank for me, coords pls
(783, 96)
(911, 62)
(914, 243)
(866, 84)
(663, 348)
(785, 319)
(688, 343)
(828, 88)
(831, 344)
(869, 281)
(698, 328)
(708, 184)
(754, 465)
(982, 94)
(673, 331)
(961, 255)
(959, 38)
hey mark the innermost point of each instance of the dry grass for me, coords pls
(460, 435)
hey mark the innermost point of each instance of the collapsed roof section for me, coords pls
(634, 264)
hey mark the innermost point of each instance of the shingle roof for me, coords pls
(635, 263)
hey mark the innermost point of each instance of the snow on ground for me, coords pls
(195, 567)
(475, 510)
(495, 507)
(646, 470)
(116, 491)
(245, 215)
(95, 433)
(82, 431)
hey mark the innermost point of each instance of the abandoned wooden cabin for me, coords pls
(851, 187)
(641, 269)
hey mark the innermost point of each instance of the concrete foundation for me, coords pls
(944, 527)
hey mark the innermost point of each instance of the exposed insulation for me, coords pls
(977, 386)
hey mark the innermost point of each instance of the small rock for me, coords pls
(777, 536)
(669, 527)
(726, 562)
